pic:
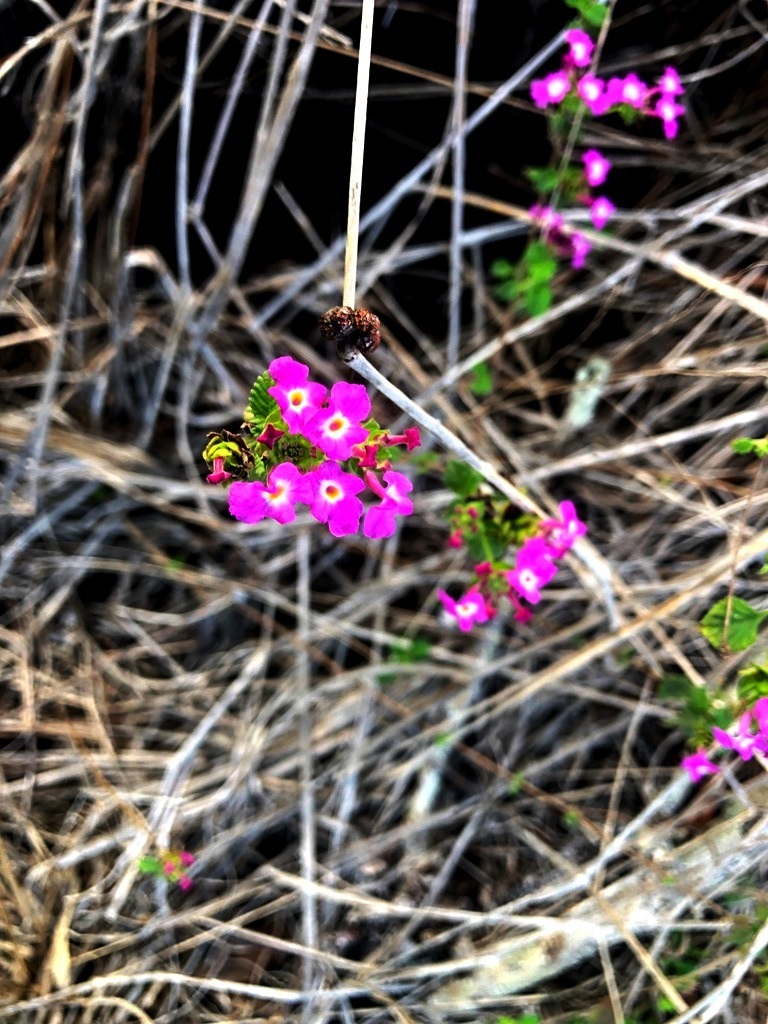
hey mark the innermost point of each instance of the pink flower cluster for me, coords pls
(170, 865)
(534, 568)
(604, 97)
(329, 431)
(741, 739)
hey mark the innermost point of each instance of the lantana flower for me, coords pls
(252, 502)
(630, 90)
(550, 90)
(668, 110)
(534, 568)
(467, 610)
(337, 429)
(581, 47)
(333, 498)
(380, 519)
(698, 765)
(298, 398)
(596, 167)
(670, 84)
(742, 740)
(601, 211)
(561, 534)
(592, 91)
(580, 249)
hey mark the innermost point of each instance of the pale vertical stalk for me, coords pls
(307, 851)
(356, 161)
(463, 36)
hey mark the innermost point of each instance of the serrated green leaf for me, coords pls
(741, 620)
(461, 478)
(261, 406)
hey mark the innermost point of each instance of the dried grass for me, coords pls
(173, 678)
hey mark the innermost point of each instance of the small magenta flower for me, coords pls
(455, 540)
(366, 455)
(630, 90)
(337, 429)
(269, 435)
(219, 473)
(467, 610)
(299, 399)
(743, 741)
(698, 765)
(601, 211)
(596, 167)
(580, 249)
(333, 497)
(547, 217)
(561, 534)
(592, 91)
(409, 437)
(550, 90)
(380, 519)
(252, 502)
(185, 883)
(670, 84)
(668, 110)
(581, 47)
(534, 568)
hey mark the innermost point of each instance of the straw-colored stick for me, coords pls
(356, 162)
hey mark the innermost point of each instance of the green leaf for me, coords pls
(543, 179)
(753, 682)
(751, 446)
(461, 478)
(541, 261)
(508, 291)
(150, 866)
(481, 381)
(501, 269)
(741, 620)
(416, 649)
(260, 404)
(538, 299)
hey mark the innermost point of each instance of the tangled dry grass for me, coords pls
(377, 838)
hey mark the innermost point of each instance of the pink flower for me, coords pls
(551, 221)
(467, 610)
(592, 92)
(380, 520)
(742, 740)
(668, 110)
(455, 540)
(269, 435)
(251, 502)
(298, 398)
(337, 429)
(185, 883)
(596, 167)
(601, 211)
(186, 858)
(581, 47)
(580, 248)
(561, 534)
(333, 498)
(410, 438)
(534, 569)
(219, 473)
(552, 89)
(670, 84)
(630, 90)
(698, 765)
